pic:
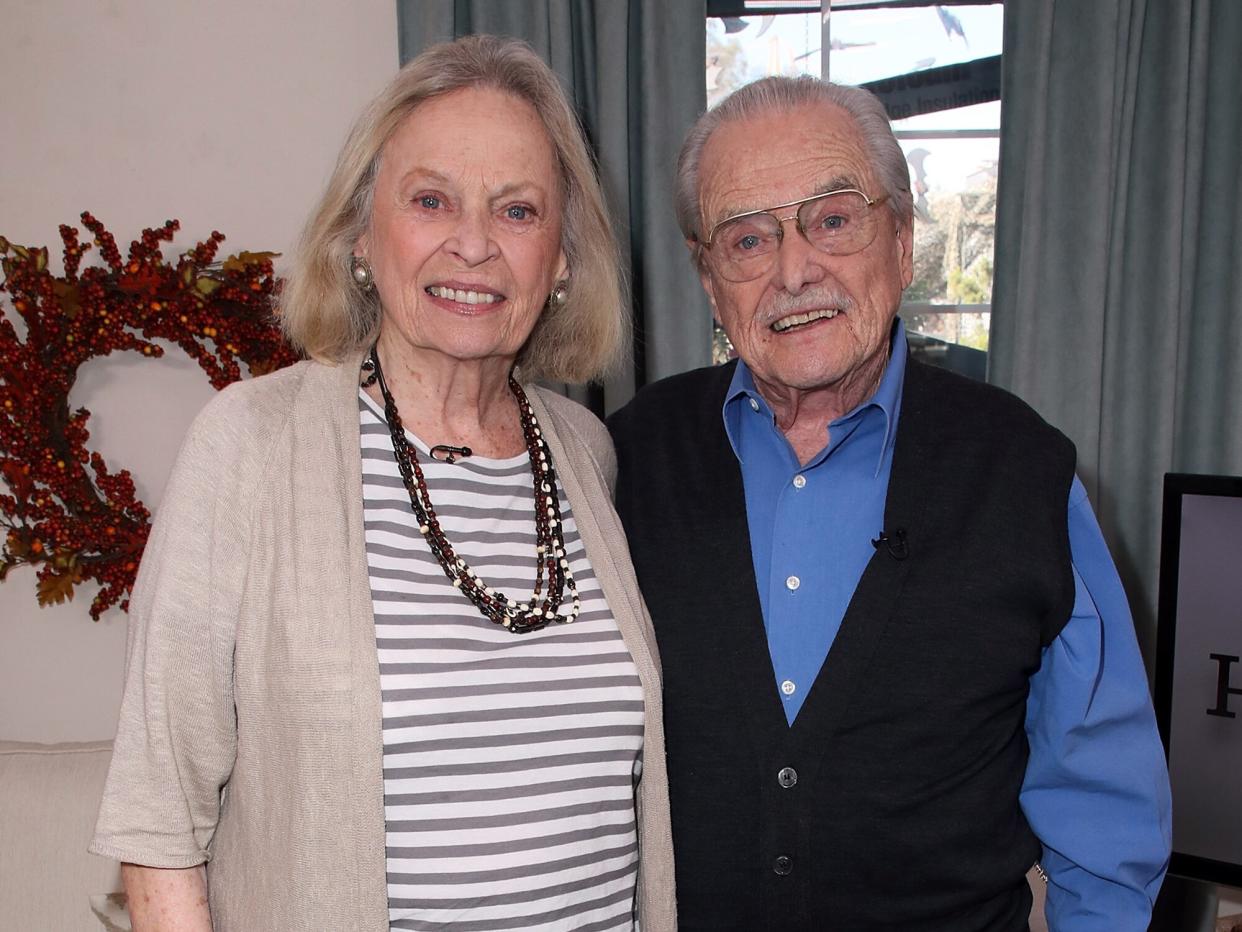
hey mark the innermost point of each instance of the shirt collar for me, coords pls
(887, 397)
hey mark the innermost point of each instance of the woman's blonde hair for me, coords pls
(325, 315)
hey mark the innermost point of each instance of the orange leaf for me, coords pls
(69, 297)
(239, 262)
(56, 587)
(18, 479)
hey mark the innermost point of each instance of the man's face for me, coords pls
(778, 158)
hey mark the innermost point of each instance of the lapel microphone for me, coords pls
(895, 543)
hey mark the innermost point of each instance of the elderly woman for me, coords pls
(388, 665)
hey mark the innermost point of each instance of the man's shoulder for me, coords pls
(969, 407)
(687, 388)
(686, 394)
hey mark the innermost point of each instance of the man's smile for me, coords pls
(804, 318)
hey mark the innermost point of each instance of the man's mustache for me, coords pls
(820, 299)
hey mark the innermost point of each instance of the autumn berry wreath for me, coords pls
(63, 510)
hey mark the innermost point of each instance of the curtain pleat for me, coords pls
(1117, 311)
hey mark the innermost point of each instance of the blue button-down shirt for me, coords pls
(1096, 791)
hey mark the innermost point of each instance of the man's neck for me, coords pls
(803, 415)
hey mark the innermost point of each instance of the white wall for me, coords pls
(225, 115)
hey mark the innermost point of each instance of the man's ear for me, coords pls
(905, 251)
(705, 278)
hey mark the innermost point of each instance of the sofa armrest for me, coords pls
(49, 797)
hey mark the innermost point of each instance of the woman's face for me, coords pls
(465, 233)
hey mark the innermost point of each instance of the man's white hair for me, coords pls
(780, 95)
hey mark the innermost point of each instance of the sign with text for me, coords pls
(1199, 672)
(944, 88)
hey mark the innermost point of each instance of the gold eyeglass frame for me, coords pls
(795, 216)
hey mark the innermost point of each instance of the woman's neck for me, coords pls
(442, 400)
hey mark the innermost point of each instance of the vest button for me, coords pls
(783, 865)
(787, 777)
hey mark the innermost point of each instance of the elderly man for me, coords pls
(899, 666)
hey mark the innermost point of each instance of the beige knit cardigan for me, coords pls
(250, 728)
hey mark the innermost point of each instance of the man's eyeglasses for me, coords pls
(838, 223)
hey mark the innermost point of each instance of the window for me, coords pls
(937, 69)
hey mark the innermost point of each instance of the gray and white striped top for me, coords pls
(509, 760)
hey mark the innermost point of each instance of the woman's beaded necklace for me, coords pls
(543, 608)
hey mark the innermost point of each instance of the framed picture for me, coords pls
(1199, 672)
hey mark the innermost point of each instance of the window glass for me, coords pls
(868, 45)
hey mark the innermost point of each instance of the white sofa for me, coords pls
(49, 795)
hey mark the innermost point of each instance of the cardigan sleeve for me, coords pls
(176, 737)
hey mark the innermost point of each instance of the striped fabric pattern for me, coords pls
(509, 760)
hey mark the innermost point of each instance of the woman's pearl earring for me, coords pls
(559, 295)
(360, 269)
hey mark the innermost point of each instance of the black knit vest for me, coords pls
(892, 801)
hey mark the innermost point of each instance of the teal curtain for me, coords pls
(635, 70)
(1117, 308)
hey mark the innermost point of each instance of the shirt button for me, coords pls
(787, 777)
(799, 481)
(792, 583)
(754, 405)
(788, 687)
(783, 865)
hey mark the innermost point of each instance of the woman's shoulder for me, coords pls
(240, 423)
(577, 416)
(257, 405)
(584, 427)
